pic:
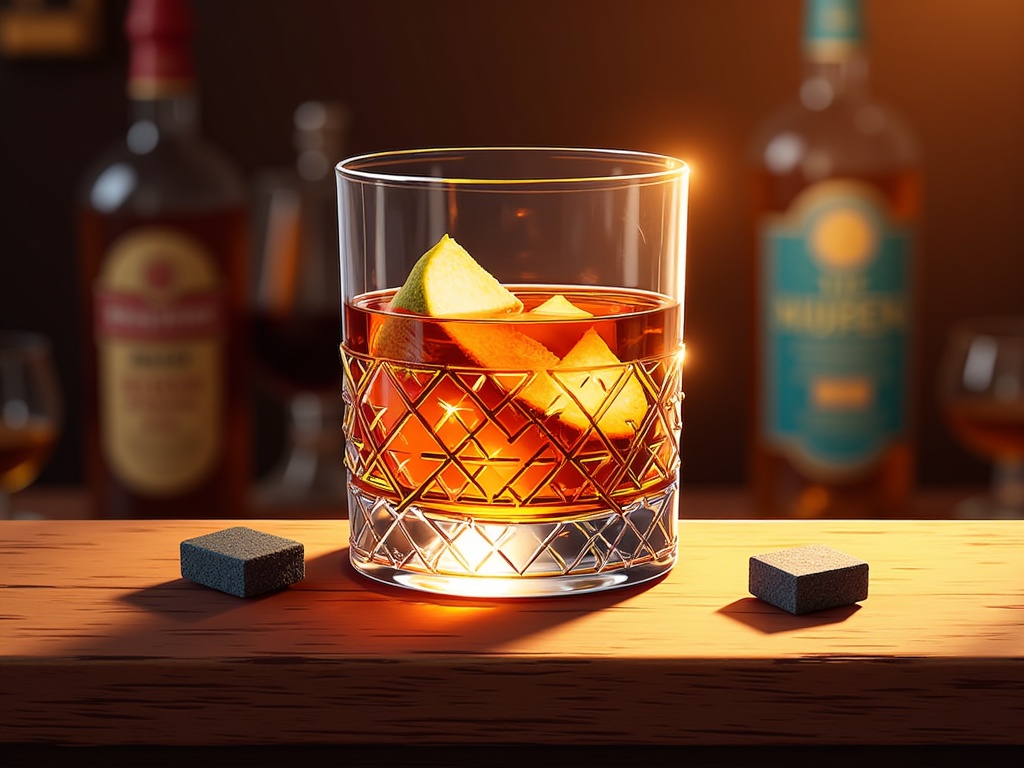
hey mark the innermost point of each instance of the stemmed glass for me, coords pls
(982, 395)
(30, 412)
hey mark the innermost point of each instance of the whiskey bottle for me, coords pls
(163, 235)
(837, 190)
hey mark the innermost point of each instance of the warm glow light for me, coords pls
(473, 586)
(477, 586)
(450, 411)
(684, 195)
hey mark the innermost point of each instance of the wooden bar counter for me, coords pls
(103, 643)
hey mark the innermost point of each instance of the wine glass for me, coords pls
(30, 413)
(982, 395)
(295, 325)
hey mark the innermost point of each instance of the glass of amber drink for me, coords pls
(512, 358)
(981, 392)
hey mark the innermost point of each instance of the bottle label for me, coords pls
(160, 331)
(835, 294)
(832, 28)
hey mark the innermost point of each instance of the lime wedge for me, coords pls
(447, 282)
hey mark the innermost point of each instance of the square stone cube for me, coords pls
(242, 561)
(810, 578)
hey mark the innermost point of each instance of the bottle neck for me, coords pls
(835, 65)
(161, 79)
(177, 114)
(319, 138)
(828, 81)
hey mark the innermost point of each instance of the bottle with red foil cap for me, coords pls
(162, 234)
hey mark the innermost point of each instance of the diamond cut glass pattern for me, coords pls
(452, 545)
(422, 435)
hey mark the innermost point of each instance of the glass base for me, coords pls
(303, 479)
(987, 508)
(453, 554)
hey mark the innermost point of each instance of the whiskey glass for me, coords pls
(526, 454)
(30, 413)
(981, 393)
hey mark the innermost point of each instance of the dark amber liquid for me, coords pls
(992, 429)
(434, 424)
(23, 451)
(223, 491)
(634, 324)
(298, 352)
(783, 489)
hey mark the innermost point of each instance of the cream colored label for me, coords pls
(160, 320)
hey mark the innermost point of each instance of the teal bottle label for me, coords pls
(832, 28)
(835, 298)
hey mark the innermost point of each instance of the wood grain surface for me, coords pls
(102, 642)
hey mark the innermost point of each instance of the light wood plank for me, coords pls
(102, 642)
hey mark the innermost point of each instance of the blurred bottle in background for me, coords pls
(837, 194)
(296, 309)
(163, 236)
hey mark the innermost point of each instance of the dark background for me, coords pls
(690, 78)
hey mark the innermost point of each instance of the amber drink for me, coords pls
(512, 411)
(981, 392)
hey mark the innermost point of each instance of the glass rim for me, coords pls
(670, 167)
(994, 326)
(23, 343)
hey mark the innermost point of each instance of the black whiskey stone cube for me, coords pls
(810, 578)
(242, 561)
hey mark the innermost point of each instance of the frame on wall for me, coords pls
(50, 28)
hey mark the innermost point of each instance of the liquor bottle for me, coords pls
(163, 237)
(837, 193)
